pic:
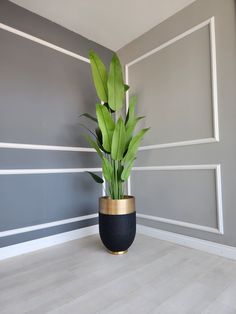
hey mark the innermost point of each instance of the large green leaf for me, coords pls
(133, 145)
(107, 126)
(115, 83)
(118, 141)
(107, 170)
(130, 129)
(94, 145)
(131, 119)
(99, 74)
(95, 177)
(127, 170)
(131, 110)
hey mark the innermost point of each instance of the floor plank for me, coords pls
(153, 277)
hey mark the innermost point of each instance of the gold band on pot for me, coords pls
(123, 206)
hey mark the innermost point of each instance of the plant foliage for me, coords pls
(113, 139)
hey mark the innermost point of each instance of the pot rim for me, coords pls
(123, 206)
(126, 197)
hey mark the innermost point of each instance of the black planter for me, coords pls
(117, 232)
(117, 224)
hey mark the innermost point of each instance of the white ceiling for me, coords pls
(111, 23)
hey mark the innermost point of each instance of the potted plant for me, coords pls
(117, 147)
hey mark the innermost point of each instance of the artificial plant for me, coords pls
(113, 137)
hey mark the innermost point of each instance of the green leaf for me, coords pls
(90, 131)
(95, 177)
(109, 109)
(130, 128)
(118, 141)
(99, 135)
(131, 110)
(99, 139)
(119, 172)
(94, 145)
(115, 83)
(126, 87)
(99, 74)
(131, 119)
(89, 116)
(107, 170)
(133, 145)
(107, 126)
(127, 170)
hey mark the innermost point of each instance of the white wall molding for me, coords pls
(214, 89)
(219, 209)
(61, 50)
(194, 243)
(53, 223)
(52, 171)
(43, 42)
(46, 225)
(47, 171)
(178, 167)
(215, 138)
(178, 144)
(179, 223)
(47, 147)
(38, 244)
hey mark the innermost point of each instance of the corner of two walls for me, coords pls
(45, 84)
(185, 188)
(183, 71)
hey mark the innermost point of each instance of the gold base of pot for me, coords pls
(117, 253)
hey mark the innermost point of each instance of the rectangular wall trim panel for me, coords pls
(215, 138)
(59, 49)
(53, 223)
(219, 209)
(46, 225)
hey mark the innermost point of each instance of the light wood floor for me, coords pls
(154, 277)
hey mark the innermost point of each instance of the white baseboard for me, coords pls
(194, 243)
(34, 245)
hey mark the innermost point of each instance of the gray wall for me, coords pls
(174, 91)
(42, 93)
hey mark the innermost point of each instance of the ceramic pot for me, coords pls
(117, 223)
